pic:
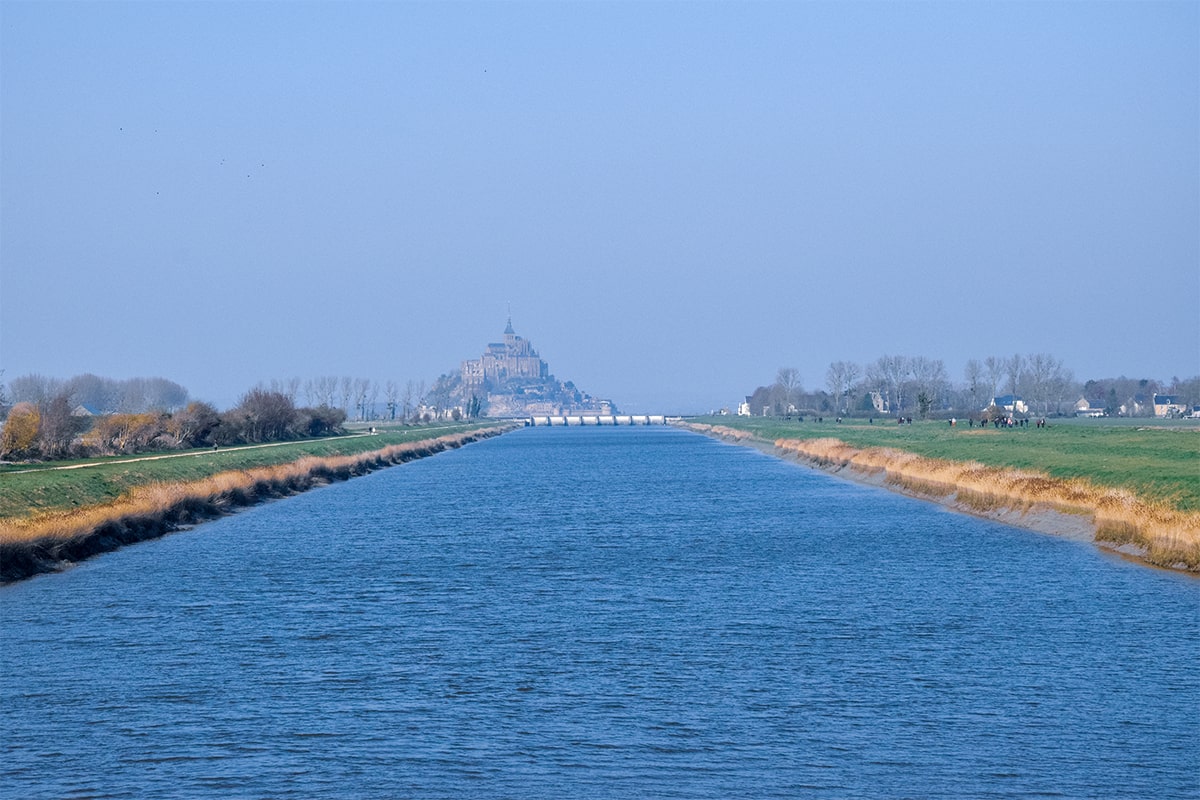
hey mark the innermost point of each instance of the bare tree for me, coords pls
(840, 376)
(877, 382)
(267, 416)
(362, 387)
(346, 393)
(853, 371)
(391, 392)
(326, 389)
(133, 396)
(1047, 381)
(1014, 369)
(893, 372)
(373, 398)
(163, 395)
(192, 425)
(974, 375)
(1062, 385)
(100, 395)
(929, 382)
(421, 394)
(1039, 369)
(438, 396)
(406, 400)
(58, 427)
(36, 389)
(994, 368)
(787, 382)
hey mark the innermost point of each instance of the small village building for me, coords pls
(1085, 408)
(1168, 405)
(1011, 403)
(1134, 407)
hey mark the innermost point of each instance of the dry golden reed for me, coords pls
(1161, 534)
(733, 434)
(1164, 535)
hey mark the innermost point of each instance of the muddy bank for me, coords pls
(52, 542)
(1110, 518)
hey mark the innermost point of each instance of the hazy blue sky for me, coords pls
(675, 198)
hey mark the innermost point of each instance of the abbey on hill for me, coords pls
(510, 379)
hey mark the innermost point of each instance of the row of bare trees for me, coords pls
(1044, 382)
(99, 395)
(898, 384)
(360, 398)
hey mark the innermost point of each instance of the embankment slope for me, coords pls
(48, 542)
(1148, 531)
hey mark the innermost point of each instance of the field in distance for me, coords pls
(1158, 460)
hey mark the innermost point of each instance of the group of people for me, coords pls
(998, 422)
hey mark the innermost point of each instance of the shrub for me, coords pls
(20, 433)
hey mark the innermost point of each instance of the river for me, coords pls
(601, 612)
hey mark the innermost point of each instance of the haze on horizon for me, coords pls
(674, 199)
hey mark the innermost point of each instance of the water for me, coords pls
(601, 613)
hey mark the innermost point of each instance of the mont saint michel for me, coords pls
(510, 379)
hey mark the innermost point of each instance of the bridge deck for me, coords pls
(597, 419)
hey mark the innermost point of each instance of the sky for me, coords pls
(673, 200)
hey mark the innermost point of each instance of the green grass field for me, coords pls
(1158, 462)
(31, 488)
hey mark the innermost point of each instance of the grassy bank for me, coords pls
(27, 489)
(62, 516)
(1138, 485)
(1159, 463)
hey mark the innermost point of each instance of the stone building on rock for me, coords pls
(510, 379)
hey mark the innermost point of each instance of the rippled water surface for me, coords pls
(601, 613)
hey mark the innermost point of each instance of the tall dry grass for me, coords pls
(722, 431)
(37, 543)
(1164, 535)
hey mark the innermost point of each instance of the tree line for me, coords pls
(47, 420)
(362, 399)
(99, 395)
(920, 386)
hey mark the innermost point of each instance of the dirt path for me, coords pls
(188, 453)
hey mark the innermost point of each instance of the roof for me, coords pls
(1166, 399)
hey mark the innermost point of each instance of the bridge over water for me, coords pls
(597, 419)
